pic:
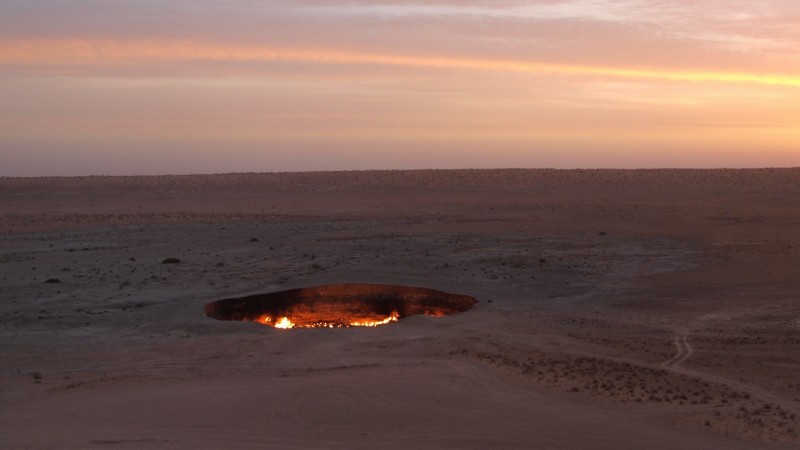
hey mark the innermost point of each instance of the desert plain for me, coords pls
(655, 309)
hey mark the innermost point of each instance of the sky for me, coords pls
(124, 87)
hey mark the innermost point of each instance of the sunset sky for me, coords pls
(154, 87)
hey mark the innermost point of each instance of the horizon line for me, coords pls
(300, 172)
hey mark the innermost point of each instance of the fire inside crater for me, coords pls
(339, 306)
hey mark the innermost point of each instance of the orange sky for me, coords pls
(92, 87)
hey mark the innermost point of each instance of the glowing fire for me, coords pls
(285, 323)
(394, 317)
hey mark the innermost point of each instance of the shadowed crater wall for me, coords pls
(339, 305)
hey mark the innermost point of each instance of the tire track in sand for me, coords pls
(685, 351)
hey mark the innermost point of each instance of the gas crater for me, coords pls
(339, 306)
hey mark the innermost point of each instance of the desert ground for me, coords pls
(654, 309)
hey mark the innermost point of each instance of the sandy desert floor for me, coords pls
(617, 309)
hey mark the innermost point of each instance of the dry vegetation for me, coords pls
(703, 403)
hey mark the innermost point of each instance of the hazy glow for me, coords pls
(75, 53)
(90, 86)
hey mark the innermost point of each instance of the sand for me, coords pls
(617, 309)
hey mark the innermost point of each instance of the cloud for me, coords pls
(687, 32)
(643, 39)
(85, 53)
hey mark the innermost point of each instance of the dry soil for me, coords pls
(617, 309)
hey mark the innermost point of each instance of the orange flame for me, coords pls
(394, 317)
(285, 323)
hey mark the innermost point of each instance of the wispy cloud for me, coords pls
(699, 35)
(77, 53)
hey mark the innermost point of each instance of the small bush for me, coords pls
(53, 280)
(171, 261)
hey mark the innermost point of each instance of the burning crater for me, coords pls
(339, 305)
